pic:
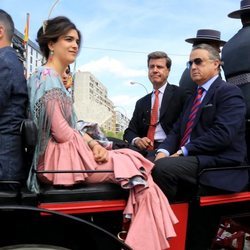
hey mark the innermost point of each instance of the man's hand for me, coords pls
(177, 154)
(160, 155)
(100, 153)
(143, 143)
(174, 155)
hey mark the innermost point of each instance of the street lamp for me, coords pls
(52, 7)
(133, 83)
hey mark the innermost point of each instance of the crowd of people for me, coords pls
(175, 131)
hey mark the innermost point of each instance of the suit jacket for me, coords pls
(218, 135)
(171, 107)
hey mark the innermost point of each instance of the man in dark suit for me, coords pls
(171, 100)
(209, 133)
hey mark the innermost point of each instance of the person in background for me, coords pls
(13, 101)
(67, 80)
(235, 55)
(149, 126)
(62, 147)
(207, 36)
(209, 133)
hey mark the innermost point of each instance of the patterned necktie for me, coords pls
(192, 115)
(153, 119)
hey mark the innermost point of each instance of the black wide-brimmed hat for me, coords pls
(206, 35)
(244, 7)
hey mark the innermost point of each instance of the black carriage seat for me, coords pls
(82, 197)
(82, 192)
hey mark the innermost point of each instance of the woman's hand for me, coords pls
(100, 153)
(159, 156)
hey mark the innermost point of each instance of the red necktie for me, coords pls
(153, 118)
(192, 115)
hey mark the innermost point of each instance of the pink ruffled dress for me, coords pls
(152, 218)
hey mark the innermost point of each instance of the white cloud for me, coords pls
(122, 100)
(125, 103)
(114, 66)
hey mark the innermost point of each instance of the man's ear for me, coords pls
(1, 31)
(217, 63)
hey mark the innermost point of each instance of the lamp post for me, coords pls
(133, 83)
(52, 7)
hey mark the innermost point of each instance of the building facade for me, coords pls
(91, 101)
(121, 121)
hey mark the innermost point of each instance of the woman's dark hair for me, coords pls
(52, 30)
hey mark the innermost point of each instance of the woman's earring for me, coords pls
(51, 53)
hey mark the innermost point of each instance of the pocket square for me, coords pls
(208, 105)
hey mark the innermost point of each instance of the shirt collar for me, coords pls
(162, 88)
(207, 84)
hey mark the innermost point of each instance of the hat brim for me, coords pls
(204, 40)
(237, 14)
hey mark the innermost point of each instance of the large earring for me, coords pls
(51, 53)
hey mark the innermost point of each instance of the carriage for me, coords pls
(89, 216)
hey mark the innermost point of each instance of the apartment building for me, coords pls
(30, 55)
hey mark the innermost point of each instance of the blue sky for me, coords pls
(118, 35)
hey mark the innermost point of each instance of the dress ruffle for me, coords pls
(152, 219)
(151, 216)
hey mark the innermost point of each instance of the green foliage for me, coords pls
(118, 135)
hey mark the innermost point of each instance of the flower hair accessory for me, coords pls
(45, 23)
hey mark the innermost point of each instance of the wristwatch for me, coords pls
(180, 152)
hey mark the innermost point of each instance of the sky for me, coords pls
(119, 34)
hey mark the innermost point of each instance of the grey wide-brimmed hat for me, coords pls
(244, 7)
(206, 35)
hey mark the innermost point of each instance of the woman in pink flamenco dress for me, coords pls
(61, 147)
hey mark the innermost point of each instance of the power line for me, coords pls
(127, 51)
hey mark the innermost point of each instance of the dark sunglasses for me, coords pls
(196, 61)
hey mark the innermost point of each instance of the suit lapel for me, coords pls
(207, 98)
(147, 107)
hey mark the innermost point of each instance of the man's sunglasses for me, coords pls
(196, 61)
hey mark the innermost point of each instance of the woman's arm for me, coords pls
(62, 132)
